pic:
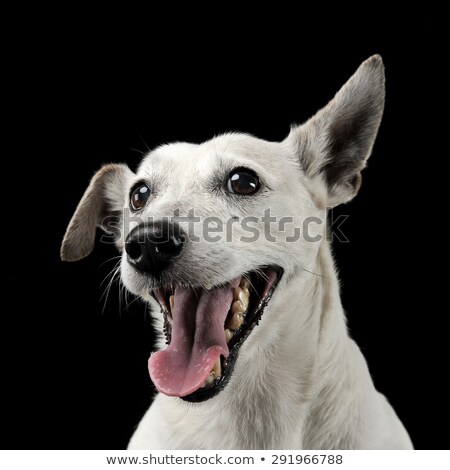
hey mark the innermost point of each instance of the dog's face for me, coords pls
(210, 232)
(219, 196)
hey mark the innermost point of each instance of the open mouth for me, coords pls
(204, 330)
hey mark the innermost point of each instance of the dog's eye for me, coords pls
(139, 196)
(242, 181)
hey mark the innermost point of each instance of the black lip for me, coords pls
(235, 344)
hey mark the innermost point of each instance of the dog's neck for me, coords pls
(289, 358)
(289, 379)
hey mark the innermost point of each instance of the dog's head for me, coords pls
(209, 232)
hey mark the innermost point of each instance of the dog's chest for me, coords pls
(232, 424)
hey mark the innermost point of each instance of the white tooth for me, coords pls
(237, 307)
(236, 321)
(228, 335)
(243, 297)
(236, 293)
(245, 283)
(171, 300)
(209, 379)
(242, 293)
(217, 369)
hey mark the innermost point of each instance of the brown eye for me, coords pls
(139, 196)
(242, 181)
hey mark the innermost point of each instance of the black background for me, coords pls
(74, 365)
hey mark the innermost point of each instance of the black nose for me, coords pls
(152, 247)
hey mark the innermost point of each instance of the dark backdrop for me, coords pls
(74, 364)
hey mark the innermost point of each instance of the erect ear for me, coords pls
(104, 197)
(335, 144)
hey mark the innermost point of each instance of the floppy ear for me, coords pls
(103, 198)
(335, 144)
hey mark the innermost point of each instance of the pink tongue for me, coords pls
(198, 339)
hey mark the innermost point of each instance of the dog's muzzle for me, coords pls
(152, 247)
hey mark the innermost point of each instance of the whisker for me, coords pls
(140, 152)
(110, 259)
(316, 274)
(129, 304)
(114, 278)
(145, 143)
(109, 274)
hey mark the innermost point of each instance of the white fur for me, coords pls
(299, 381)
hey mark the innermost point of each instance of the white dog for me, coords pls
(258, 355)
